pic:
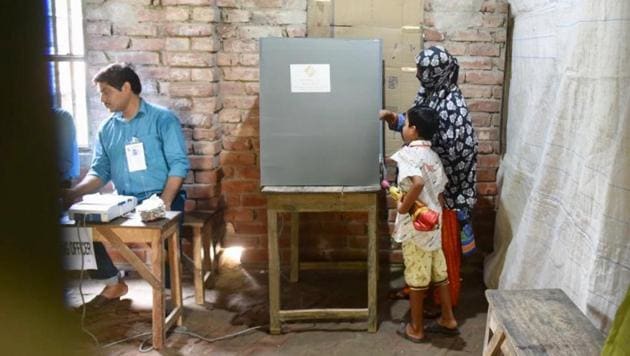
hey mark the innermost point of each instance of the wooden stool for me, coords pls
(319, 199)
(207, 233)
(538, 322)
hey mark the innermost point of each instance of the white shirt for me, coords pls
(417, 159)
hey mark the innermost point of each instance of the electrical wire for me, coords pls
(183, 331)
(83, 306)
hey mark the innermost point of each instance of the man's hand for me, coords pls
(68, 197)
(389, 117)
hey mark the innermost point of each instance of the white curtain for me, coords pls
(564, 208)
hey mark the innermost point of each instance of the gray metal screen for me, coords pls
(319, 103)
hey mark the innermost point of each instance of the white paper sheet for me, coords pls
(310, 78)
(77, 241)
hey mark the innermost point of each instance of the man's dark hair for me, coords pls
(424, 119)
(117, 74)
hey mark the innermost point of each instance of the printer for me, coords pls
(95, 208)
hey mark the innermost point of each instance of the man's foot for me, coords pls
(109, 294)
(115, 291)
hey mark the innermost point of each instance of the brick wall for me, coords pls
(200, 58)
(243, 22)
(174, 46)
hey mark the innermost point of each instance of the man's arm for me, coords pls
(173, 184)
(89, 184)
(176, 157)
(417, 183)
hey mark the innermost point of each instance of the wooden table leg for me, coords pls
(157, 267)
(274, 271)
(198, 266)
(295, 247)
(208, 270)
(486, 337)
(494, 345)
(372, 269)
(176, 273)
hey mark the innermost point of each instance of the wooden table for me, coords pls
(538, 322)
(319, 199)
(122, 231)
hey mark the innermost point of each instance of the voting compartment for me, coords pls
(319, 103)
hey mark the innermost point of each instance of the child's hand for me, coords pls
(399, 207)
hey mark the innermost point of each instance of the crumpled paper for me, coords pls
(151, 209)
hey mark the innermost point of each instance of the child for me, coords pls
(421, 177)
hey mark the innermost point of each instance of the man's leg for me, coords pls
(107, 273)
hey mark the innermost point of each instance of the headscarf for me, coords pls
(455, 140)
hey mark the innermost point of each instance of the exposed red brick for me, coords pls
(211, 134)
(484, 105)
(236, 143)
(253, 200)
(238, 186)
(487, 134)
(487, 188)
(432, 35)
(470, 36)
(201, 191)
(203, 162)
(486, 175)
(239, 214)
(109, 43)
(484, 77)
(207, 148)
(250, 172)
(486, 147)
(484, 49)
(491, 160)
(250, 228)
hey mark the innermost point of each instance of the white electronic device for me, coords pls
(101, 207)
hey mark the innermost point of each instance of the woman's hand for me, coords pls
(389, 117)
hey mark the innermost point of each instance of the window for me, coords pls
(66, 58)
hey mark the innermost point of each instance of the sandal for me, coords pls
(402, 332)
(435, 328)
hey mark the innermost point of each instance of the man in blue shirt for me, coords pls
(67, 148)
(141, 149)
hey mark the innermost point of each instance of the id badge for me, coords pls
(135, 157)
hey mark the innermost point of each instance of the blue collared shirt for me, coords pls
(67, 150)
(164, 150)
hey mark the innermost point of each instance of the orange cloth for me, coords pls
(451, 246)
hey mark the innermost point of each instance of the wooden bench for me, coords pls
(538, 322)
(206, 228)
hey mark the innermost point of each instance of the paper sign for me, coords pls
(77, 241)
(310, 78)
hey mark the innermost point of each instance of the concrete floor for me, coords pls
(239, 301)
